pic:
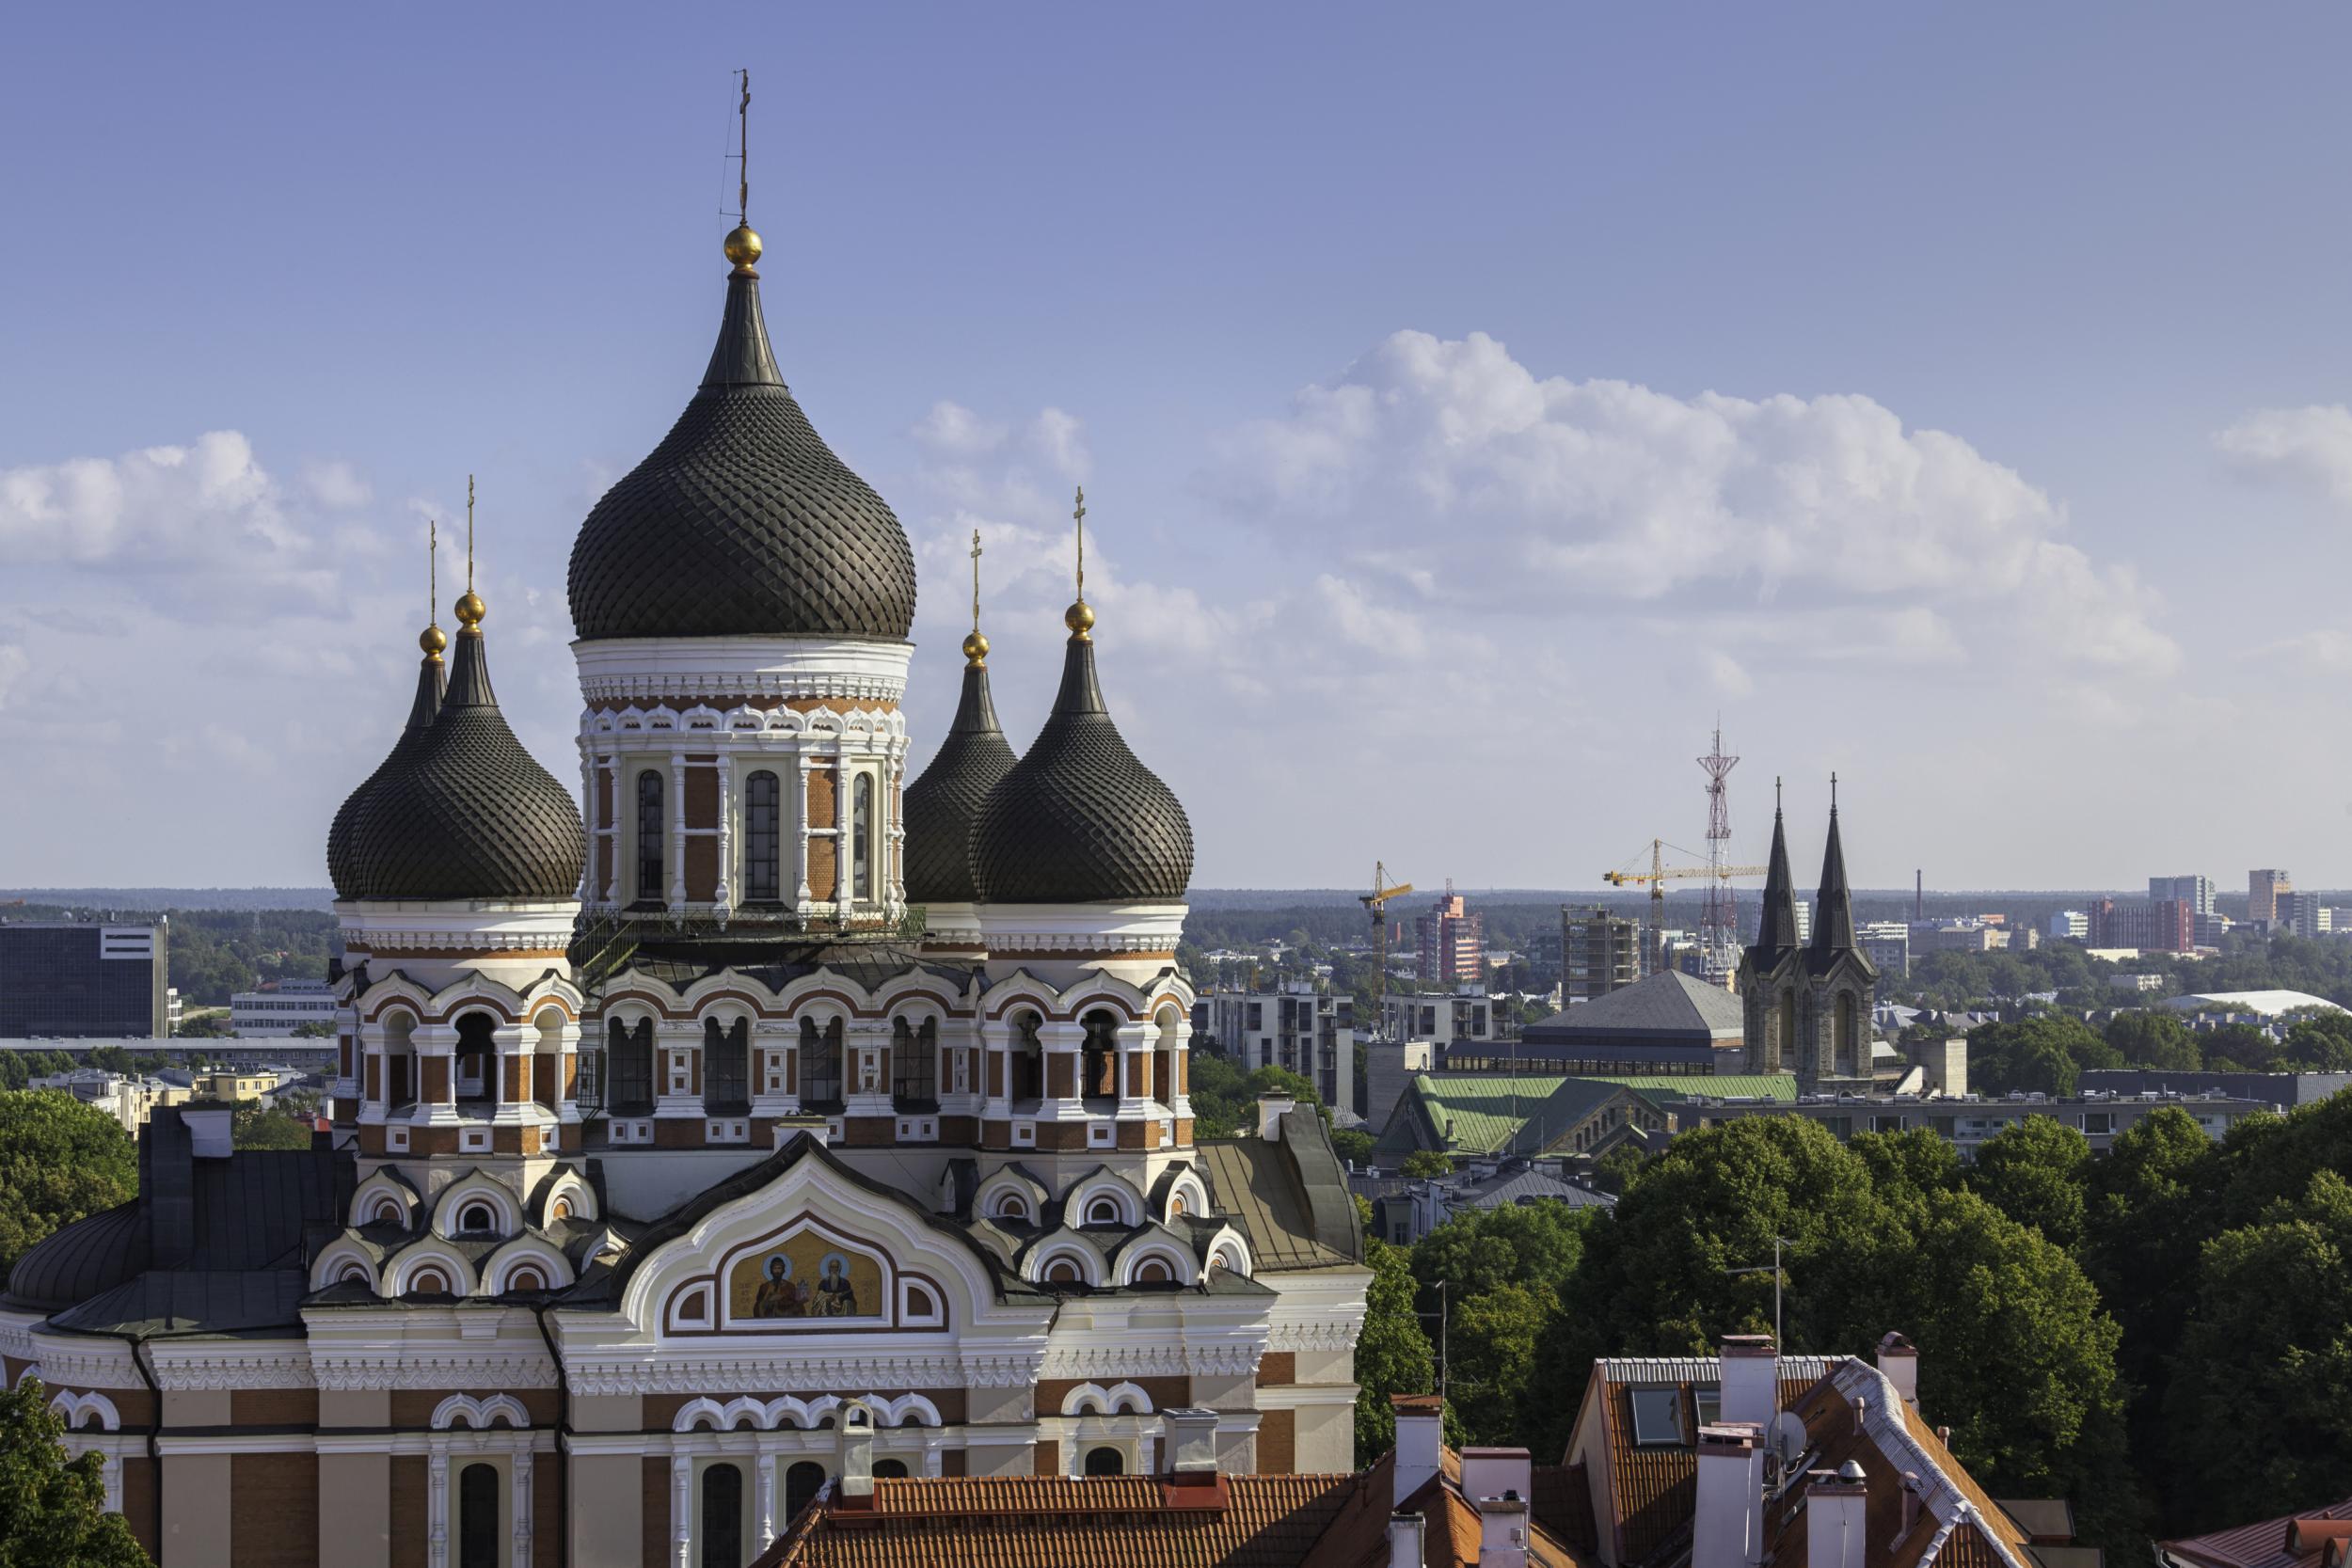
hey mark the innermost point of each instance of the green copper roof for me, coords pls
(1494, 1112)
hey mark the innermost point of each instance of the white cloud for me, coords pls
(160, 507)
(15, 663)
(1453, 471)
(336, 486)
(2309, 448)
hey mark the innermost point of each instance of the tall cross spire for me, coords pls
(976, 646)
(470, 608)
(1079, 618)
(433, 639)
(743, 150)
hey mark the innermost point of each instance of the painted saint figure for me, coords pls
(836, 1297)
(777, 1296)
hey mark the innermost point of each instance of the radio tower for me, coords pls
(1719, 916)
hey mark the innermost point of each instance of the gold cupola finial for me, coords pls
(1079, 617)
(976, 646)
(433, 639)
(742, 245)
(470, 609)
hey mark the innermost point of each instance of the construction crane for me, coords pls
(1376, 904)
(1656, 877)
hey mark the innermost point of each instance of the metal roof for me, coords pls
(945, 801)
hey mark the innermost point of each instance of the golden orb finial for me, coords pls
(1079, 618)
(744, 248)
(975, 650)
(433, 639)
(470, 609)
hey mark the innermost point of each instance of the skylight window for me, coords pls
(1657, 1417)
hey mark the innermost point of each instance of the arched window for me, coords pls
(400, 1058)
(1098, 1061)
(353, 1273)
(526, 1278)
(801, 1486)
(476, 1062)
(1177, 1207)
(562, 1208)
(475, 1218)
(1011, 1206)
(478, 1516)
(862, 839)
(763, 839)
(632, 1069)
(915, 1065)
(1102, 1211)
(1063, 1270)
(890, 1469)
(726, 1067)
(1029, 1058)
(723, 1517)
(1106, 1462)
(651, 830)
(820, 1064)
(428, 1282)
(1153, 1271)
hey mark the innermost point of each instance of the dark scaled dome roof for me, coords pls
(1078, 820)
(742, 522)
(943, 804)
(76, 1262)
(432, 675)
(465, 812)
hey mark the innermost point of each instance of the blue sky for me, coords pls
(1472, 402)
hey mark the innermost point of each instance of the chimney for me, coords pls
(1420, 1440)
(208, 1125)
(1899, 1360)
(1833, 1505)
(167, 1183)
(1911, 1501)
(1727, 1525)
(1404, 1541)
(1190, 1435)
(856, 1491)
(1271, 1109)
(1498, 1482)
(1751, 1385)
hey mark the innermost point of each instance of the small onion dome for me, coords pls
(432, 675)
(467, 813)
(943, 803)
(742, 522)
(78, 1261)
(1078, 820)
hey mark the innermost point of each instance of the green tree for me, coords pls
(2034, 1171)
(1480, 1250)
(2045, 1054)
(59, 1161)
(1492, 1343)
(1423, 1162)
(1616, 1170)
(1352, 1144)
(258, 1126)
(2265, 1368)
(53, 1509)
(1393, 1353)
(2312, 1046)
(113, 1058)
(2152, 1039)
(2242, 1047)
(312, 1029)
(1906, 1166)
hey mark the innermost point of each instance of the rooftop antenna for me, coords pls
(1774, 1268)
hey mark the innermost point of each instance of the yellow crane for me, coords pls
(1376, 904)
(1657, 877)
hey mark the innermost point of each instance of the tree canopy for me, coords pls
(59, 1161)
(52, 1508)
(2045, 1054)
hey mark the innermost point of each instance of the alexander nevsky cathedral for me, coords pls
(766, 1105)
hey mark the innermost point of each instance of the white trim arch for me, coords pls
(1078, 1205)
(382, 1191)
(1195, 1192)
(569, 1185)
(339, 1261)
(1230, 1251)
(997, 1004)
(1006, 1179)
(480, 1415)
(506, 1209)
(526, 1251)
(1042, 1260)
(1132, 1259)
(402, 1271)
(1092, 1399)
(1107, 991)
(31, 1370)
(77, 1409)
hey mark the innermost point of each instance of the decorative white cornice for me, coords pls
(1335, 1333)
(676, 670)
(673, 1374)
(1099, 1363)
(176, 1372)
(369, 1373)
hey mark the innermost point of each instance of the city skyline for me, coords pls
(1532, 397)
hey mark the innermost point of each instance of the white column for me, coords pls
(682, 1509)
(806, 766)
(723, 895)
(436, 1507)
(111, 1476)
(996, 1039)
(767, 1482)
(588, 817)
(610, 767)
(677, 833)
(522, 1502)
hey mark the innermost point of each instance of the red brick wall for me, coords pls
(408, 1510)
(1277, 1442)
(273, 1509)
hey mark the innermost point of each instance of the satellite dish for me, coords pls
(1785, 1438)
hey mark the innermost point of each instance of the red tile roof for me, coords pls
(2290, 1541)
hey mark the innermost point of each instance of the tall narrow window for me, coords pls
(862, 839)
(651, 830)
(726, 1068)
(820, 1064)
(632, 1069)
(478, 1516)
(915, 1065)
(801, 1483)
(723, 1517)
(763, 840)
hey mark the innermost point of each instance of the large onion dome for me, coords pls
(1078, 820)
(945, 801)
(77, 1261)
(742, 522)
(465, 812)
(432, 675)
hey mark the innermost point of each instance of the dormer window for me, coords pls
(1658, 1417)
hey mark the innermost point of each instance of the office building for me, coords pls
(128, 1098)
(2262, 891)
(1452, 942)
(1295, 1025)
(83, 980)
(1468, 1014)
(2071, 925)
(282, 1008)
(1598, 952)
(2302, 914)
(1887, 944)
(2196, 892)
